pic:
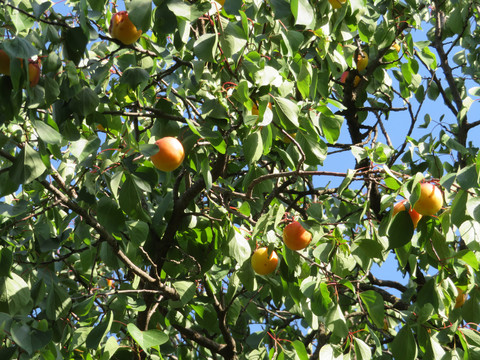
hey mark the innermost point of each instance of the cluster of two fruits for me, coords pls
(362, 61)
(121, 28)
(33, 68)
(295, 237)
(429, 203)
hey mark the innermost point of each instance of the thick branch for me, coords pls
(230, 350)
(387, 283)
(396, 302)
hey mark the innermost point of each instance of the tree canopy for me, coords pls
(301, 110)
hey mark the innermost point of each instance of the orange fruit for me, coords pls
(362, 61)
(263, 264)
(255, 110)
(461, 298)
(295, 236)
(170, 154)
(33, 73)
(400, 206)
(122, 28)
(344, 77)
(4, 63)
(337, 4)
(430, 201)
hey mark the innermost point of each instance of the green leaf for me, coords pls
(253, 147)
(85, 102)
(287, 111)
(75, 43)
(140, 13)
(365, 250)
(300, 350)
(428, 294)
(469, 258)
(314, 148)
(238, 247)
(138, 231)
(321, 300)
(165, 20)
(232, 40)
(205, 47)
(373, 302)
(79, 337)
(59, 302)
(302, 11)
(19, 47)
(109, 215)
(47, 133)
(472, 337)
(267, 76)
(187, 11)
(131, 201)
(330, 352)
(331, 126)
(99, 331)
(186, 290)
(459, 208)
(304, 78)
(401, 230)
(467, 177)
(147, 339)
(6, 261)
(362, 350)
(453, 144)
(110, 347)
(404, 346)
(335, 321)
(455, 21)
(346, 181)
(21, 334)
(14, 295)
(470, 233)
(28, 165)
(134, 77)
(473, 208)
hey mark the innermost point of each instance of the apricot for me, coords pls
(4, 63)
(430, 201)
(344, 77)
(122, 28)
(263, 264)
(337, 4)
(33, 73)
(461, 298)
(400, 206)
(295, 236)
(362, 61)
(170, 154)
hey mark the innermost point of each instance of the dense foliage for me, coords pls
(103, 256)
